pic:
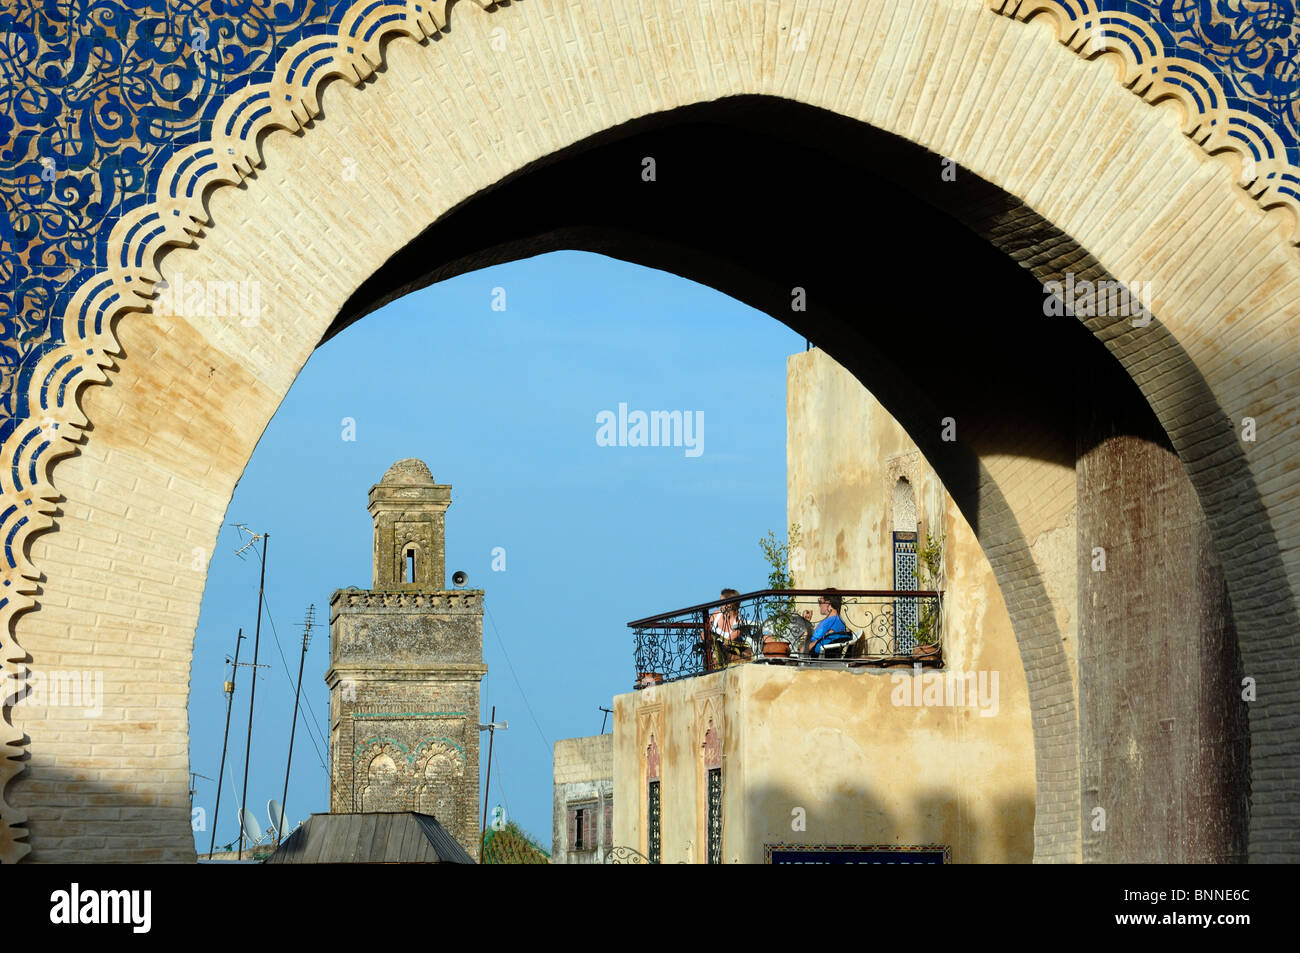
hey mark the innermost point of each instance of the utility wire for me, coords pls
(541, 734)
(311, 733)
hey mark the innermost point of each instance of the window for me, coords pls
(652, 800)
(582, 828)
(715, 815)
(652, 827)
(410, 565)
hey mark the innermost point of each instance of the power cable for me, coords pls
(541, 734)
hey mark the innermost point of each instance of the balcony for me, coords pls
(774, 627)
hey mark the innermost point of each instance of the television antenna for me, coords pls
(225, 741)
(257, 641)
(193, 789)
(308, 624)
(252, 538)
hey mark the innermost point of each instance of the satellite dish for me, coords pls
(276, 813)
(251, 830)
(459, 578)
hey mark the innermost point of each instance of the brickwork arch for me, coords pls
(426, 126)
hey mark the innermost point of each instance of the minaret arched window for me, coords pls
(408, 564)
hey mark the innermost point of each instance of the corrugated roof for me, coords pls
(398, 838)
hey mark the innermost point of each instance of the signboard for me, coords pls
(857, 854)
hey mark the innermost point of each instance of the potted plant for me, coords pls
(929, 560)
(646, 679)
(783, 628)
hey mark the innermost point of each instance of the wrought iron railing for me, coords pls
(774, 626)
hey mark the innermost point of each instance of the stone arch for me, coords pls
(440, 763)
(925, 72)
(385, 769)
(382, 787)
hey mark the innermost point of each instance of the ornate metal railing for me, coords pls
(772, 626)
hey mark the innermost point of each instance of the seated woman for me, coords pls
(726, 625)
(831, 630)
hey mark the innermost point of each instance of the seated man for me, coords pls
(831, 630)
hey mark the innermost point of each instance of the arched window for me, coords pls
(408, 566)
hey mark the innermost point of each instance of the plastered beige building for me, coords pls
(583, 800)
(901, 761)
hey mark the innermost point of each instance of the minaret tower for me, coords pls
(406, 659)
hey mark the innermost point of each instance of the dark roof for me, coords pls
(402, 838)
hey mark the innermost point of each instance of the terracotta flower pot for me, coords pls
(776, 647)
(644, 679)
(925, 651)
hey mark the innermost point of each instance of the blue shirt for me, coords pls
(829, 630)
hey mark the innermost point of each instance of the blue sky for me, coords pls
(503, 406)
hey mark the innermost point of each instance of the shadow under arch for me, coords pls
(758, 196)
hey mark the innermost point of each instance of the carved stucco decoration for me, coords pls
(384, 764)
(393, 777)
(440, 763)
(1231, 65)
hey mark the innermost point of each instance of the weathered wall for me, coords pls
(863, 768)
(1164, 737)
(584, 775)
(404, 677)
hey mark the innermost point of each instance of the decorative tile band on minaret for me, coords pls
(406, 660)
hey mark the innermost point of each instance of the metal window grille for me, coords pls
(715, 815)
(652, 827)
(906, 613)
